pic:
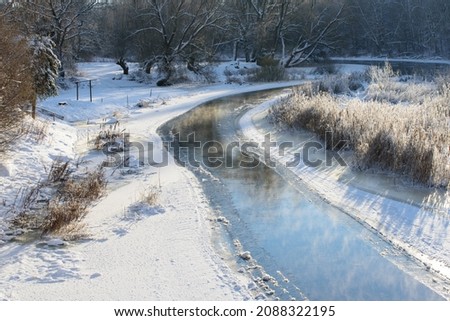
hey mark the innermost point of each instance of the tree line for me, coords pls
(160, 32)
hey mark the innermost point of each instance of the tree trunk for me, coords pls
(287, 64)
(192, 66)
(33, 106)
(148, 66)
(122, 63)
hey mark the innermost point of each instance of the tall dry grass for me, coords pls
(386, 86)
(412, 138)
(58, 205)
(72, 200)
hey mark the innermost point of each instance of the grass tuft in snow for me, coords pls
(26, 207)
(150, 196)
(109, 132)
(59, 171)
(147, 205)
(72, 200)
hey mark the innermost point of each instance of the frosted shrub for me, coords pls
(385, 87)
(150, 196)
(342, 83)
(334, 85)
(237, 75)
(381, 75)
(443, 80)
(140, 76)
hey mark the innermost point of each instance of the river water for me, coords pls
(311, 249)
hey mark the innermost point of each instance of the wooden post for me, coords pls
(33, 106)
(78, 92)
(159, 177)
(90, 89)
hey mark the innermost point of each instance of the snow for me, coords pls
(246, 255)
(6, 169)
(132, 251)
(30, 161)
(55, 242)
(409, 217)
(137, 251)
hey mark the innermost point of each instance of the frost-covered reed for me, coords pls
(394, 127)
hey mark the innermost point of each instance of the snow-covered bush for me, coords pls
(140, 76)
(341, 83)
(45, 66)
(235, 74)
(150, 196)
(385, 87)
(269, 73)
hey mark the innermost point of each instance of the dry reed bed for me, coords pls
(412, 139)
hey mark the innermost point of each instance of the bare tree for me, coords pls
(176, 28)
(114, 23)
(61, 20)
(257, 26)
(436, 27)
(123, 64)
(312, 31)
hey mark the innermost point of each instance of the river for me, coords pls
(310, 249)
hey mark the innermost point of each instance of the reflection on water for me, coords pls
(322, 251)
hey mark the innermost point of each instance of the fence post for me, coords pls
(90, 89)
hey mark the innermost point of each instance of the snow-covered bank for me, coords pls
(161, 254)
(369, 59)
(164, 256)
(411, 221)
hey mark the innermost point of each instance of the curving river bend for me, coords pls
(311, 249)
